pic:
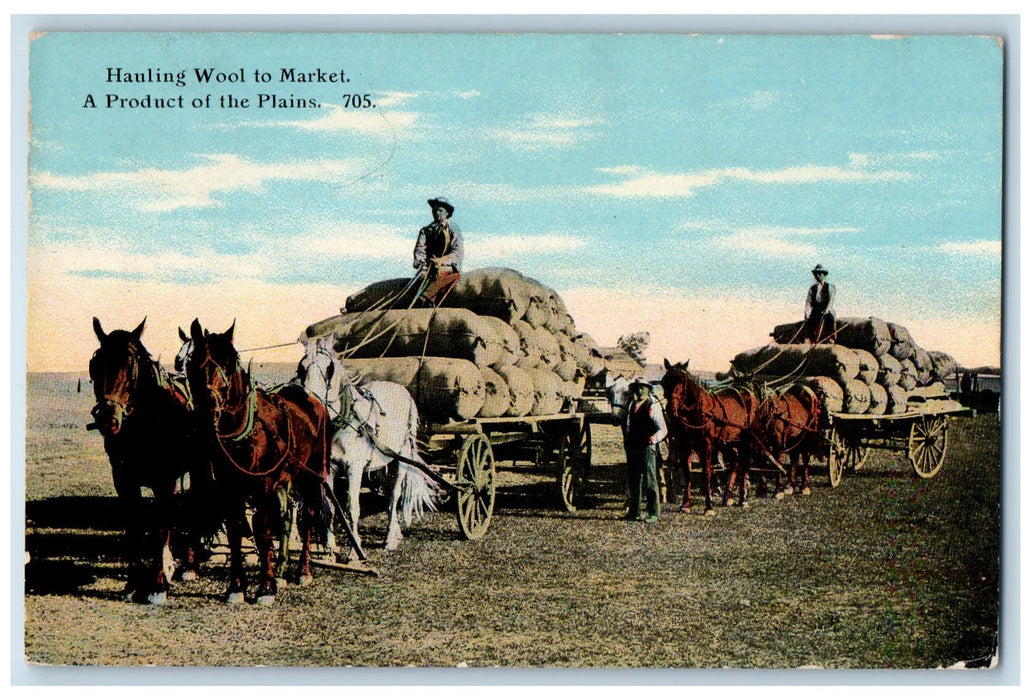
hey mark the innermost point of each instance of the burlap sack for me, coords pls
(457, 333)
(379, 292)
(870, 334)
(566, 368)
(561, 321)
(839, 363)
(495, 394)
(511, 350)
(945, 367)
(520, 390)
(442, 387)
(868, 366)
(897, 402)
(548, 396)
(907, 379)
(539, 310)
(789, 333)
(924, 366)
(902, 345)
(531, 355)
(491, 291)
(857, 396)
(889, 371)
(551, 355)
(878, 400)
(592, 363)
(830, 393)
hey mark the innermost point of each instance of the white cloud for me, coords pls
(338, 118)
(153, 189)
(987, 248)
(641, 183)
(542, 130)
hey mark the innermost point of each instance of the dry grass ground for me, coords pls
(885, 571)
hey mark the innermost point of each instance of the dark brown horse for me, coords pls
(789, 423)
(265, 444)
(151, 439)
(708, 422)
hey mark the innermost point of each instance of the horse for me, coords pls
(264, 445)
(152, 441)
(376, 426)
(789, 422)
(711, 423)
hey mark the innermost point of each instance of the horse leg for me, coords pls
(805, 456)
(261, 526)
(286, 511)
(397, 476)
(706, 460)
(683, 462)
(354, 491)
(743, 466)
(311, 500)
(234, 534)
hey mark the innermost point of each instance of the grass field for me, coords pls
(885, 571)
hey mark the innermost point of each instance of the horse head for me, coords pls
(320, 372)
(115, 370)
(185, 350)
(617, 391)
(679, 388)
(220, 386)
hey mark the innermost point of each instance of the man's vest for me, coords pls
(640, 426)
(439, 240)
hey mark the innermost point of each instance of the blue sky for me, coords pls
(683, 185)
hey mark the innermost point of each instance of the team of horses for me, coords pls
(208, 442)
(746, 429)
(218, 443)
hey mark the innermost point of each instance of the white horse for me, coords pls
(376, 425)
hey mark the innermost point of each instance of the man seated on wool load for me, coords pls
(438, 253)
(819, 308)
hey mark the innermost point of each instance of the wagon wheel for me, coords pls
(572, 462)
(928, 442)
(845, 451)
(475, 480)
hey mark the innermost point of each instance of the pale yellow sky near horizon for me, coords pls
(708, 331)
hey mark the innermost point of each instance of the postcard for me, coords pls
(514, 351)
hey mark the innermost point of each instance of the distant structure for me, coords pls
(620, 362)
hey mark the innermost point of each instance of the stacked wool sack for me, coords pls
(874, 367)
(500, 345)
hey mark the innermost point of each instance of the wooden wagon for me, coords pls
(468, 452)
(922, 431)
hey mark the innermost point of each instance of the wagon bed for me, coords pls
(921, 431)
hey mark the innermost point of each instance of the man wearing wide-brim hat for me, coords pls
(819, 308)
(438, 253)
(643, 429)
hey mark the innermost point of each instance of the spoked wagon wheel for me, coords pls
(476, 483)
(573, 460)
(846, 451)
(928, 442)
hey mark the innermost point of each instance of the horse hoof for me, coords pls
(281, 582)
(806, 492)
(710, 513)
(305, 580)
(157, 599)
(266, 600)
(779, 496)
(188, 575)
(746, 504)
(685, 509)
(234, 598)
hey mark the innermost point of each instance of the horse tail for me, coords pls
(418, 493)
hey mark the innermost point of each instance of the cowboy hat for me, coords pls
(640, 381)
(441, 202)
(820, 270)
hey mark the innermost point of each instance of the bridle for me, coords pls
(250, 404)
(118, 396)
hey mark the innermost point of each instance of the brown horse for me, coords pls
(789, 423)
(151, 439)
(265, 444)
(709, 422)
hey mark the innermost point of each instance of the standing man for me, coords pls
(643, 429)
(819, 308)
(438, 253)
